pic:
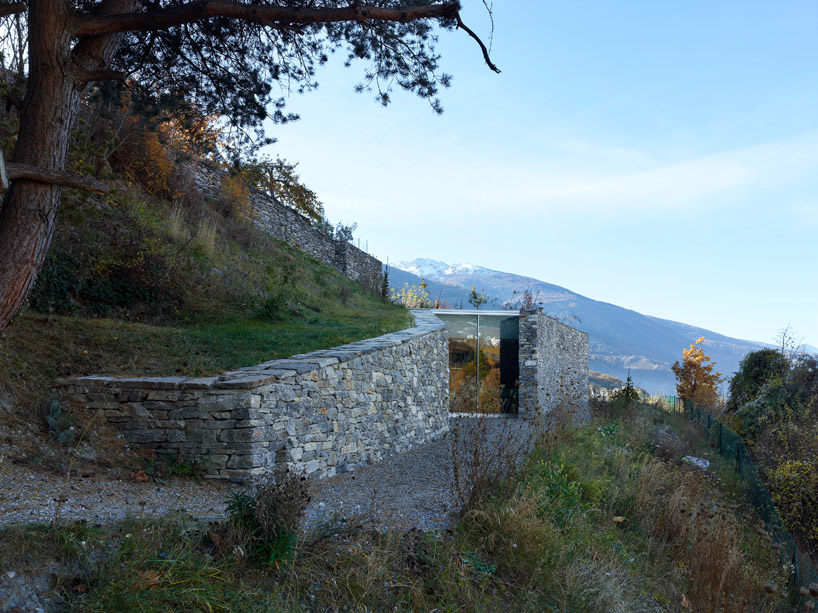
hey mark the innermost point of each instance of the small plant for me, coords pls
(159, 467)
(345, 294)
(412, 296)
(176, 223)
(60, 423)
(479, 566)
(384, 293)
(625, 399)
(268, 517)
(235, 198)
(478, 299)
(206, 234)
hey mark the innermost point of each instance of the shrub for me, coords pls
(794, 490)
(60, 423)
(235, 198)
(268, 517)
(56, 285)
(412, 297)
(145, 160)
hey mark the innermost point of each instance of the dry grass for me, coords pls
(177, 228)
(206, 231)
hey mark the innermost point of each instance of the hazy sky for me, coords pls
(662, 156)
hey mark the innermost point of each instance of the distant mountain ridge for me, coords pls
(620, 339)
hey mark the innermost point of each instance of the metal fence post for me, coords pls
(719, 438)
(738, 458)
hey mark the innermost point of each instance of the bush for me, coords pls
(56, 285)
(794, 490)
(235, 198)
(268, 517)
(145, 160)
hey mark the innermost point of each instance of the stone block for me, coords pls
(198, 383)
(218, 461)
(218, 424)
(245, 461)
(163, 395)
(250, 382)
(150, 383)
(146, 436)
(176, 436)
(134, 409)
(245, 414)
(245, 435)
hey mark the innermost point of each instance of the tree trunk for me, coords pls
(29, 210)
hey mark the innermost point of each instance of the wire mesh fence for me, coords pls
(731, 447)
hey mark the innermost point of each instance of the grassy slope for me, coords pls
(151, 288)
(598, 520)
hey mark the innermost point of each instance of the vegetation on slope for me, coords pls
(601, 518)
(135, 285)
(773, 404)
(155, 278)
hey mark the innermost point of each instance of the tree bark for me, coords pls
(29, 210)
(17, 170)
(57, 73)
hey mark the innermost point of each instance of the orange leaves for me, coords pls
(140, 476)
(695, 378)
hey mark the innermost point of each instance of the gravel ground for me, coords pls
(416, 489)
(413, 490)
(28, 496)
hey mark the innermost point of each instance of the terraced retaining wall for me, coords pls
(553, 366)
(291, 227)
(323, 413)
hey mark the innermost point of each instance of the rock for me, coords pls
(86, 452)
(5, 403)
(696, 462)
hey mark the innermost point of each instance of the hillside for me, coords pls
(620, 339)
(137, 284)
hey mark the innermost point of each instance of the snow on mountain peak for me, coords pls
(437, 271)
(423, 267)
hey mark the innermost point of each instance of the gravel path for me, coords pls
(28, 496)
(413, 490)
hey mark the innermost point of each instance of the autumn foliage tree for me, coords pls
(695, 379)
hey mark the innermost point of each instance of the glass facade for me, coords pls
(483, 360)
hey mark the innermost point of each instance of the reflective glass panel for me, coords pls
(486, 380)
(462, 362)
(499, 365)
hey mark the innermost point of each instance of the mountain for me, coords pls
(620, 339)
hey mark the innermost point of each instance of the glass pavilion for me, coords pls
(484, 360)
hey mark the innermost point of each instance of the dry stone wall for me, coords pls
(553, 366)
(322, 413)
(291, 227)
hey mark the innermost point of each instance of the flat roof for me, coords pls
(508, 313)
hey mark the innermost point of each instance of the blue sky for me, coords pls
(662, 156)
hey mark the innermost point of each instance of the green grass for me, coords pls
(596, 521)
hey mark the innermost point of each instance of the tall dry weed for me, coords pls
(176, 223)
(206, 231)
(702, 533)
(515, 531)
(486, 454)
